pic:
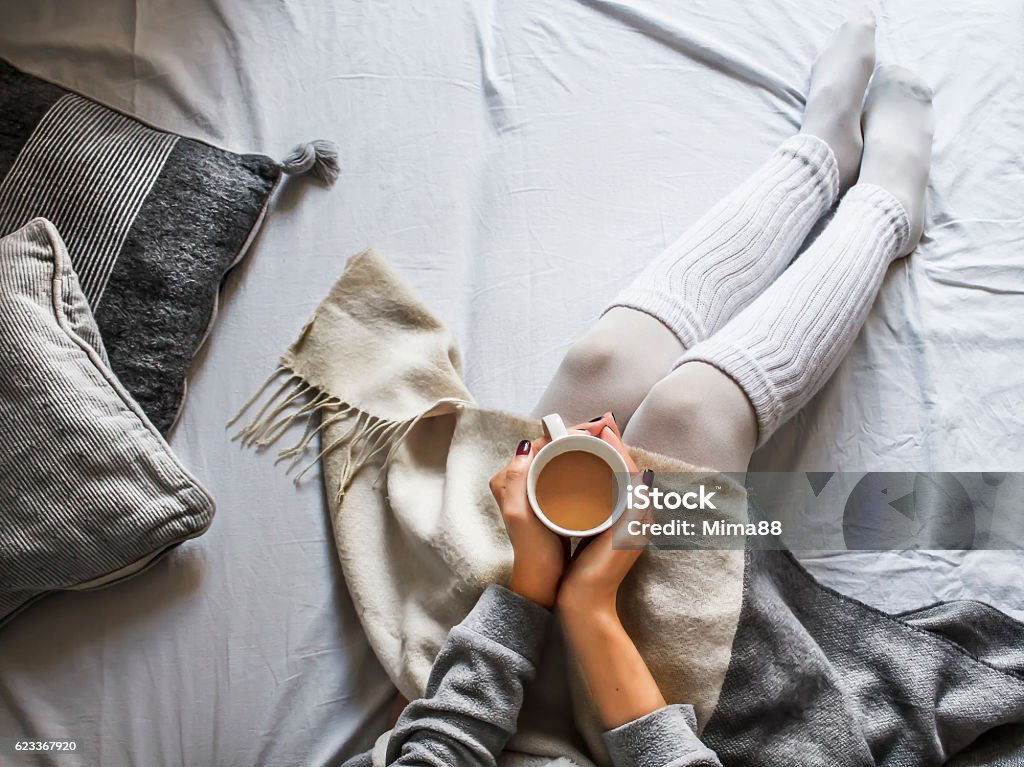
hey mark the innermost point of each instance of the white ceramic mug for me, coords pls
(562, 441)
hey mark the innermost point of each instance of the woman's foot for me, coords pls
(838, 80)
(898, 127)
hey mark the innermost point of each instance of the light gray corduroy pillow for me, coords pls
(89, 491)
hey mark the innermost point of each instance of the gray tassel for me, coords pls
(317, 157)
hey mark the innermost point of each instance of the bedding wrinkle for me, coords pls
(708, 51)
(486, 29)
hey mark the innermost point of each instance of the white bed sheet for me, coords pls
(517, 162)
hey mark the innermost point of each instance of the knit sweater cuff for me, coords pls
(511, 620)
(663, 737)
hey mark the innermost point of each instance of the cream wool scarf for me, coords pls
(406, 458)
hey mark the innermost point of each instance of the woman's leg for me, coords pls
(779, 351)
(612, 367)
(699, 414)
(731, 254)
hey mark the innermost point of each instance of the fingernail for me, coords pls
(524, 448)
(616, 420)
(595, 420)
(648, 478)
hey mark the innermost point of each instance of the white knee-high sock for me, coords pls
(738, 248)
(784, 346)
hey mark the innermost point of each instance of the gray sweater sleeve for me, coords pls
(475, 688)
(664, 738)
(475, 691)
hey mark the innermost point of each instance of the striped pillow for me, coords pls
(89, 491)
(152, 220)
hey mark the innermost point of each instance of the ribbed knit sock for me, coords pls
(739, 247)
(784, 346)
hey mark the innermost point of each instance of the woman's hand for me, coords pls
(596, 572)
(619, 681)
(539, 555)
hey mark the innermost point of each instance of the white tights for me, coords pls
(721, 339)
(708, 384)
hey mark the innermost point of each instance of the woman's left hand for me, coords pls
(539, 555)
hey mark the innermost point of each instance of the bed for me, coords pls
(512, 160)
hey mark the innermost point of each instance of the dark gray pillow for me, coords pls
(152, 220)
(89, 491)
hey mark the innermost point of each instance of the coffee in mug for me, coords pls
(577, 483)
(576, 490)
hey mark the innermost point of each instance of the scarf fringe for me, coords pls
(297, 401)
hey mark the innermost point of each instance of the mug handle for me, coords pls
(554, 427)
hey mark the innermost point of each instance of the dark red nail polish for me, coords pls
(613, 416)
(648, 478)
(524, 448)
(595, 420)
